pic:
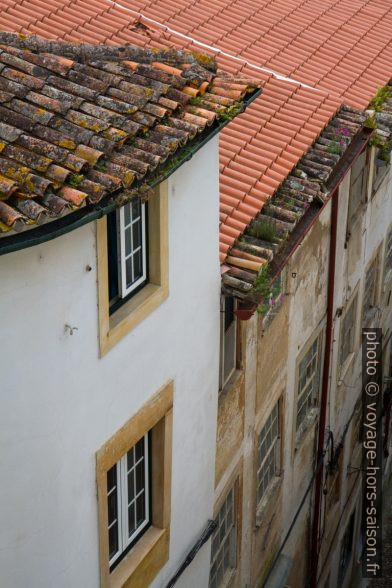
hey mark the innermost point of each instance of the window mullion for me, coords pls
(121, 260)
(124, 502)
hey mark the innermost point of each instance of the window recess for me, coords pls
(228, 340)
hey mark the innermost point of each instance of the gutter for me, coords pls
(311, 216)
(90, 213)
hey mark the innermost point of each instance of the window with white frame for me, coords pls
(268, 453)
(308, 380)
(224, 542)
(128, 499)
(388, 257)
(358, 184)
(346, 549)
(228, 340)
(347, 332)
(127, 251)
(370, 289)
(380, 168)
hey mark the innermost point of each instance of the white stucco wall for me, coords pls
(60, 402)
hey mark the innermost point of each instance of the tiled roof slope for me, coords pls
(72, 132)
(343, 48)
(268, 236)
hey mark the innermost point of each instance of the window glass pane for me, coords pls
(131, 486)
(112, 502)
(129, 270)
(130, 458)
(128, 246)
(229, 311)
(112, 255)
(139, 449)
(140, 510)
(131, 519)
(136, 208)
(223, 542)
(137, 235)
(127, 214)
(112, 506)
(113, 540)
(140, 476)
(112, 477)
(137, 265)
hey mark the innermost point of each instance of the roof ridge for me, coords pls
(276, 74)
(89, 51)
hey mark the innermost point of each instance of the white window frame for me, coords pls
(124, 540)
(388, 257)
(272, 452)
(123, 255)
(229, 541)
(315, 379)
(357, 196)
(351, 308)
(227, 337)
(371, 290)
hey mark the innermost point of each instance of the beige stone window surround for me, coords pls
(348, 322)
(314, 370)
(113, 327)
(143, 562)
(371, 289)
(232, 485)
(274, 453)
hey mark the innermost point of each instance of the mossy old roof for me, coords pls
(79, 121)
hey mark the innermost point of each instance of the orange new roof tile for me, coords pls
(341, 49)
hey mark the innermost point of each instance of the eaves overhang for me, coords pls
(90, 213)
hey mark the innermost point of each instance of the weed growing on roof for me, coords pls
(381, 96)
(75, 179)
(100, 166)
(340, 139)
(262, 284)
(196, 100)
(232, 111)
(383, 145)
(264, 230)
(370, 122)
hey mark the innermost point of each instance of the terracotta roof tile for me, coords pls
(72, 133)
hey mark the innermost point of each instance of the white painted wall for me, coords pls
(60, 402)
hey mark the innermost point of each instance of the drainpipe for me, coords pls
(314, 555)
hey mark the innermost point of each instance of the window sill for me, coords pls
(305, 427)
(345, 367)
(234, 382)
(130, 314)
(369, 317)
(273, 312)
(143, 562)
(265, 501)
(228, 579)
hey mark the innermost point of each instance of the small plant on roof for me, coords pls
(232, 111)
(196, 100)
(268, 290)
(370, 122)
(262, 283)
(383, 145)
(264, 230)
(75, 179)
(381, 96)
(340, 139)
(100, 166)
